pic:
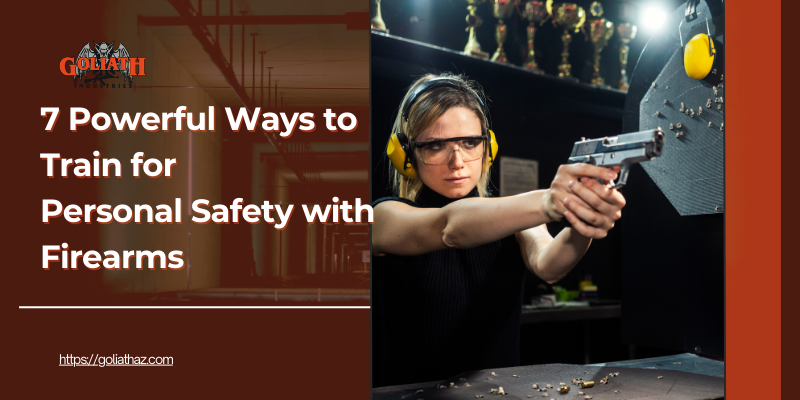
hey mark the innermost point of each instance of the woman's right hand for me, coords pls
(553, 201)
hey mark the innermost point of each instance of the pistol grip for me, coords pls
(602, 182)
(623, 176)
(623, 179)
(566, 224)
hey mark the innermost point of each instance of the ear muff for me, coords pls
(398, 153)
(699, 54)
(697, 59)
(493, 148)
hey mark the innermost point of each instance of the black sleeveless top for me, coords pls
(446, 312)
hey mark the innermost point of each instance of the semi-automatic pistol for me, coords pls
(620, 151)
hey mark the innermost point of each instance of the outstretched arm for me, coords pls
(552, 258)
(401, 229)
(404, 230)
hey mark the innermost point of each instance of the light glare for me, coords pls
(653, 18)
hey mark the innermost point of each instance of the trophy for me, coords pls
(626, 32)
(376, 23)
(502, 10)
(536, 13)
(571, 17)
(600, 30)
(473, 48)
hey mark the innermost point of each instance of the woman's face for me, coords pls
(456, 178)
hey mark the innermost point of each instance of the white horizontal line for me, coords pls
(203, 307)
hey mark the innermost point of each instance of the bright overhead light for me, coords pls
(652, 18)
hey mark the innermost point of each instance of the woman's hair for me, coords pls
(425, 111)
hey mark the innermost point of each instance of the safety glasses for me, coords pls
(440, 151)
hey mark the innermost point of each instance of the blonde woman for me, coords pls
(449, 261)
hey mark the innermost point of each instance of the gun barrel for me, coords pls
(658, 145)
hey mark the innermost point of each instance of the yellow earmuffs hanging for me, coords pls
(399, 149)
(700, 53)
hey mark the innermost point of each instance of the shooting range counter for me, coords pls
(683, 376)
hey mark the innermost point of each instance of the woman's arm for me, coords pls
(405, 230)
(552, 258)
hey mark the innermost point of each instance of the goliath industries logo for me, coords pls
(101, 67)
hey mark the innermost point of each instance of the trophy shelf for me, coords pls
(397, 56)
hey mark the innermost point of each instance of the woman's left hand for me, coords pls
(605, 207)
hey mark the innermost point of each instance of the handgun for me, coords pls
(620, 151)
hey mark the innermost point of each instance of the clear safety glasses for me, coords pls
(437, 152)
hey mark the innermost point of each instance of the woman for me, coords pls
(448, 261)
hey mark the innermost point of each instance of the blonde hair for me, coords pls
(425, 111)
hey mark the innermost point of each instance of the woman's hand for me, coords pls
(578, 198)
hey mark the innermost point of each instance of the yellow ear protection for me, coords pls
(399, 149)
(699, 54)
